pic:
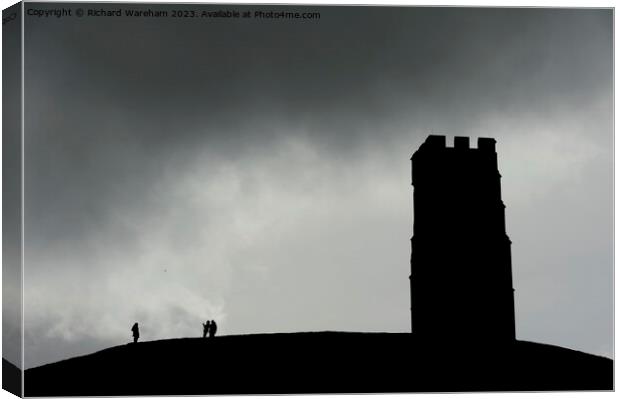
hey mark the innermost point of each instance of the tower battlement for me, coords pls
(436, 142)
(460, 161)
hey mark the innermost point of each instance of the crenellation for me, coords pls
(437, 142)
(486, 144)
(461, 143)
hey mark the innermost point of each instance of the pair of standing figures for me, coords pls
(209, 328)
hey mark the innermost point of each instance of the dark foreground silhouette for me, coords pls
(135, 332)
(11, 378)
(461, 268)
(321, 362)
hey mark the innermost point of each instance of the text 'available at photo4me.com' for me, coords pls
(82, 11)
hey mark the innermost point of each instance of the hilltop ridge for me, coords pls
(318, 362)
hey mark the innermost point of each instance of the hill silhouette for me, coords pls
(318, 362)
(11, 378)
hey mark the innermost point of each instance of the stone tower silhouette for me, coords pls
(461, 278)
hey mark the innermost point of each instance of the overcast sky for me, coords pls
(257, 172)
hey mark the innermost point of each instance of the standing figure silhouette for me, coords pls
(205, 328)
(213, 329)
(136, 332)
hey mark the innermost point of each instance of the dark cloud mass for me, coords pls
(257, 171)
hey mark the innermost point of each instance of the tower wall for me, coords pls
(461, 278)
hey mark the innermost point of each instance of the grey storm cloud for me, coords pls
(257, 171)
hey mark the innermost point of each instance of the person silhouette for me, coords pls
(213, 329)
(136, 332)
(205, 328)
